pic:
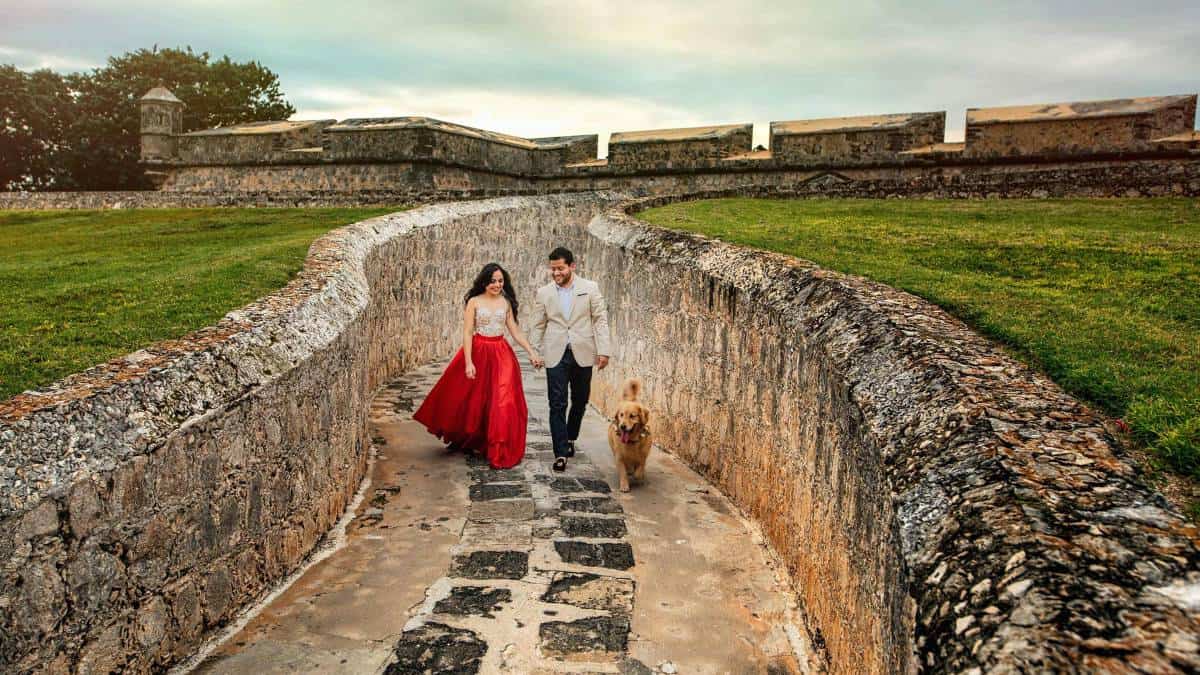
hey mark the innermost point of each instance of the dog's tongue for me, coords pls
(626, 436)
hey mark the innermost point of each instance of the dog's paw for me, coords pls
(624, 488)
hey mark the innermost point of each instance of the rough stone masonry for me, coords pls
(940, 506)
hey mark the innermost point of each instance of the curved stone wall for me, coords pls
(147, 500)
(939, 505)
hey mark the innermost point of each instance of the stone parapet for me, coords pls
(939, 505)
(856, 140)
(367, 184)
(147, 500)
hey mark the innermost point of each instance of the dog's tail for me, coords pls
(631, 389)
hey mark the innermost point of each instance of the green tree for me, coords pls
(101, 122)
(35, 110)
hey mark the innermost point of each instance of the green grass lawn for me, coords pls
(1102, 295)
(80, 287)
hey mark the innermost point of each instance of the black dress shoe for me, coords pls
(560, 464)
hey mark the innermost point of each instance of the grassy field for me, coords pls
(1102, 295)
(80, 287)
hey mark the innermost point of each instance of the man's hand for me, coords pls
(601, 361)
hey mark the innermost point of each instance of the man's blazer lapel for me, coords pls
(579, 301)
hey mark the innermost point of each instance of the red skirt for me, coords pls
(487, 414)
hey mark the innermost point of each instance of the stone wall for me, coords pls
(940, 506)
(862, 140)
(990, 133)
(677, 148)
(149, 499)
(348, 184)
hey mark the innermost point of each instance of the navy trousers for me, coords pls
(567, 380)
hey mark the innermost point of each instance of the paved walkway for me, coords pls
(451, 567)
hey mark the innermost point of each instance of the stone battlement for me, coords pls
(437, 153)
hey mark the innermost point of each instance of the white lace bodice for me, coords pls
(490, 323)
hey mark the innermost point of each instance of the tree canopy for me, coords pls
(80, 131)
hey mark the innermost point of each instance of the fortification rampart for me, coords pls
(938, 504)
(426, 155)
(385, 184)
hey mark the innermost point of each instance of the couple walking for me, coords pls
(479, 402)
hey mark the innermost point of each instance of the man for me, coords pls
(570, 330)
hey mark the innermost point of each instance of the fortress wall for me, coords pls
(230, 149)
(859, 145)
(573, 149)
(367, 145)
(1078, 135)
(933, 499)
(148, 500)
(675, 148)
(407, 177)
(407, 144)
(238, 146)
(347, 184)
(939, 506)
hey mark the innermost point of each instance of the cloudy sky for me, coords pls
(541, 68)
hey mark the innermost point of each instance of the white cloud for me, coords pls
(530, 115)
(27, 59)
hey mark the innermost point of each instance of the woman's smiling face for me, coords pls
(496, 286)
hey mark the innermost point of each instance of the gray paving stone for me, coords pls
(590, 505)
(591, 591)
(599, 637)
(437, 648)
(596, 528)
(473, 601)
(482, 492)
(618, 556)
(490, 565)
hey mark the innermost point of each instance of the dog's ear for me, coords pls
(645, 415)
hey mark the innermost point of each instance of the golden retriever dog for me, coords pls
(629, 434)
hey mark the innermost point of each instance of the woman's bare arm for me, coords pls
(468, 336)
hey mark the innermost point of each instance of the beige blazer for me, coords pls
(586, 330)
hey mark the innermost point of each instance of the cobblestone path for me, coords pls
(540, 576)
(452, 567)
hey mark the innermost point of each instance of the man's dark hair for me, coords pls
(562, 254)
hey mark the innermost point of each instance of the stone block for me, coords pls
(84, 509)
(591, 591)
(601, 638)
(105, 654)
(41, 601)
(437, 648)
(218, 592)
(41, 521)
(617, 556)
(490, 565)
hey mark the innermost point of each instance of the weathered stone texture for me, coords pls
(163, 491)
(938, 504)
(677, 148)
(387, 184)
(855, 140)
(1073, 129)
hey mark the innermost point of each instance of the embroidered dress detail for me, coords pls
(490, 323)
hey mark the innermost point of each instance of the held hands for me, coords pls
(601, 361)
(537, 360)
(470, 371)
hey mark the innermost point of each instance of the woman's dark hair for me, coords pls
(479, 287)
(562, 254)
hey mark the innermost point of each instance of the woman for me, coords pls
(479, 403)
